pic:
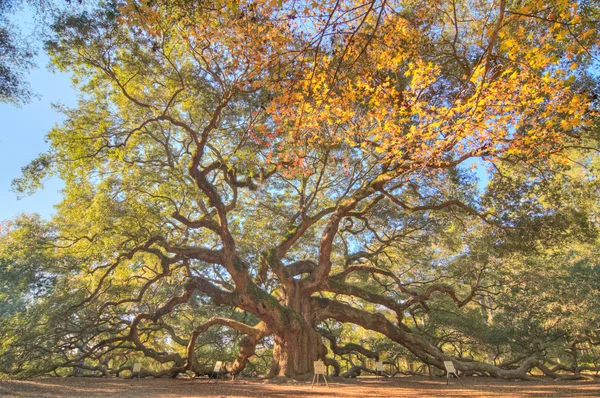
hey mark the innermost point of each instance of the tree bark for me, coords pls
(295, 350)
(297, 342)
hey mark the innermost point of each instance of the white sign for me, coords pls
(218, 365)
(319, 367)
(319, 372)
(449, 367)
(137, 367)
(379, 366)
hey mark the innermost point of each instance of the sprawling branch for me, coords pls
(207, 255)
(299, 230)
(336, 285)
(205, 221)
(353, 290)
(440, 206)
(320, 275)
(112, 266)
(331, 309)
(347, 348)
(301, 267)
(253, 336)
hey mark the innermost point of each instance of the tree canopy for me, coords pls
(18, 49)
(15, 58)
(279, 180)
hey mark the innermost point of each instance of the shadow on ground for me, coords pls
(410, 387)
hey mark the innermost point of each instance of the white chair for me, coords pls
(450, 370)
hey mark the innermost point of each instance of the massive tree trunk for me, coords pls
(297, 342)
(295, 350)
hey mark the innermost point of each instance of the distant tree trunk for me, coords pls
(78, 370)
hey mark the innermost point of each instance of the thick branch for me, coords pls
(441, 206)
(330, 309)
(205, 222)
(337, 286)
(254, 335)
(348, 348)
(301, 267)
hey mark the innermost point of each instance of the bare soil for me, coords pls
(411, 387)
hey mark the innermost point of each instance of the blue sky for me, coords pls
(23, 129)
(22, 134)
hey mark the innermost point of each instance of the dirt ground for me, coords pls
(411, 387)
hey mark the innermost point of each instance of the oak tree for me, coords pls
(299, 164)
